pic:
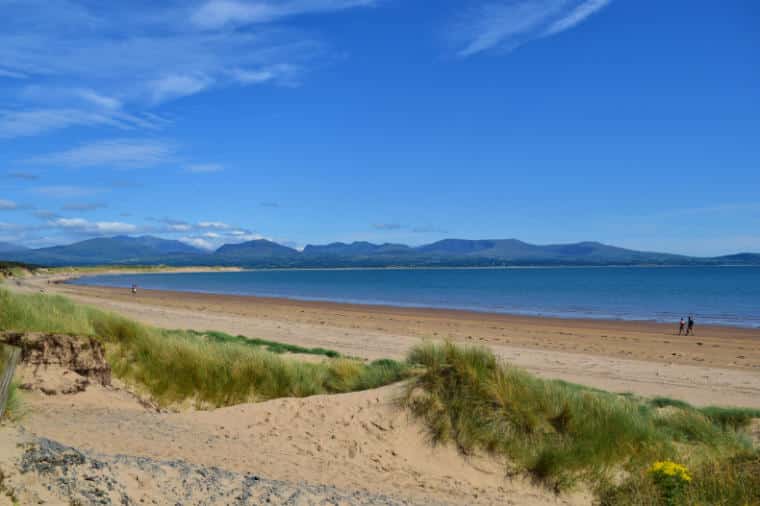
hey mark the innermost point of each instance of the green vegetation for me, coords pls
(562, 433)
(13, 406)
(11, 396)
(175, 366)
(273, 346)
(14, 270)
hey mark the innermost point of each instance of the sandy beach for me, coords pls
(719, 365)
(355, 448)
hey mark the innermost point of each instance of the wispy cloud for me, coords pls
(428, 229)
(67, 191)
(26, 176)
(7, 205)
(280, 73)
(176, 86)
(45, 215)
(198, 242)
(84, 206)
(386, 226)
(507, 25)
(12, 75)
(34, 121)
(200, 168)
(173, 225)
(220, 13)
(95, 227)
(115, 153)
(577, 16)
(214, 225)
(102, 61)
(132, 61)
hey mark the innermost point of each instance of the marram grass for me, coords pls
(562, 434)
(176, 366)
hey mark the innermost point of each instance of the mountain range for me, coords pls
(148, 250)
(6, 247)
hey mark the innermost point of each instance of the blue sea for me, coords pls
(718, 295)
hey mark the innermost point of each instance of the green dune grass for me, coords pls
(563, 434)
(273, 346)
(175, 366)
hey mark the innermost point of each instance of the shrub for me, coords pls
(671, 480)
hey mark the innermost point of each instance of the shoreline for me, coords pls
(390, 307)
(252, 305)
(720, 365)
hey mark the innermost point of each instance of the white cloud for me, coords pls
(200, 168)
(22, 123)
(176, 86)
(102, 61)
(7, 205)
(282, 73)
(211, 235)
(99, 100)
(386, 226)
(219, 13)
(27, 176)
(216, 225)
(45, 215)
(67, 191)
(251, 237)
(8, 226)
(508, 25)
(117, 153)
(577, 15)
(97, 227)
(198, 242)
(84, 206)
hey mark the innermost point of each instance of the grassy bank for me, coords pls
(273, 346)
(563, 434)
(15, 269)
(175, 366)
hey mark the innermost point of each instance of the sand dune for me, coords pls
(356, 442)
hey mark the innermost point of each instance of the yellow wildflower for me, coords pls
(669, 468)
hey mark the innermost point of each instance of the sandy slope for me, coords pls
(359, 441)
(719, 366)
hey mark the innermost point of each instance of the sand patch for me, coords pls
(353, 442)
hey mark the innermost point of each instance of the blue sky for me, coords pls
(635, 123)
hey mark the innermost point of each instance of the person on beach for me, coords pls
(134, 289)
(690, 326)
(681, 326)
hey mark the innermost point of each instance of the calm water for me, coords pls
(723, 295)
